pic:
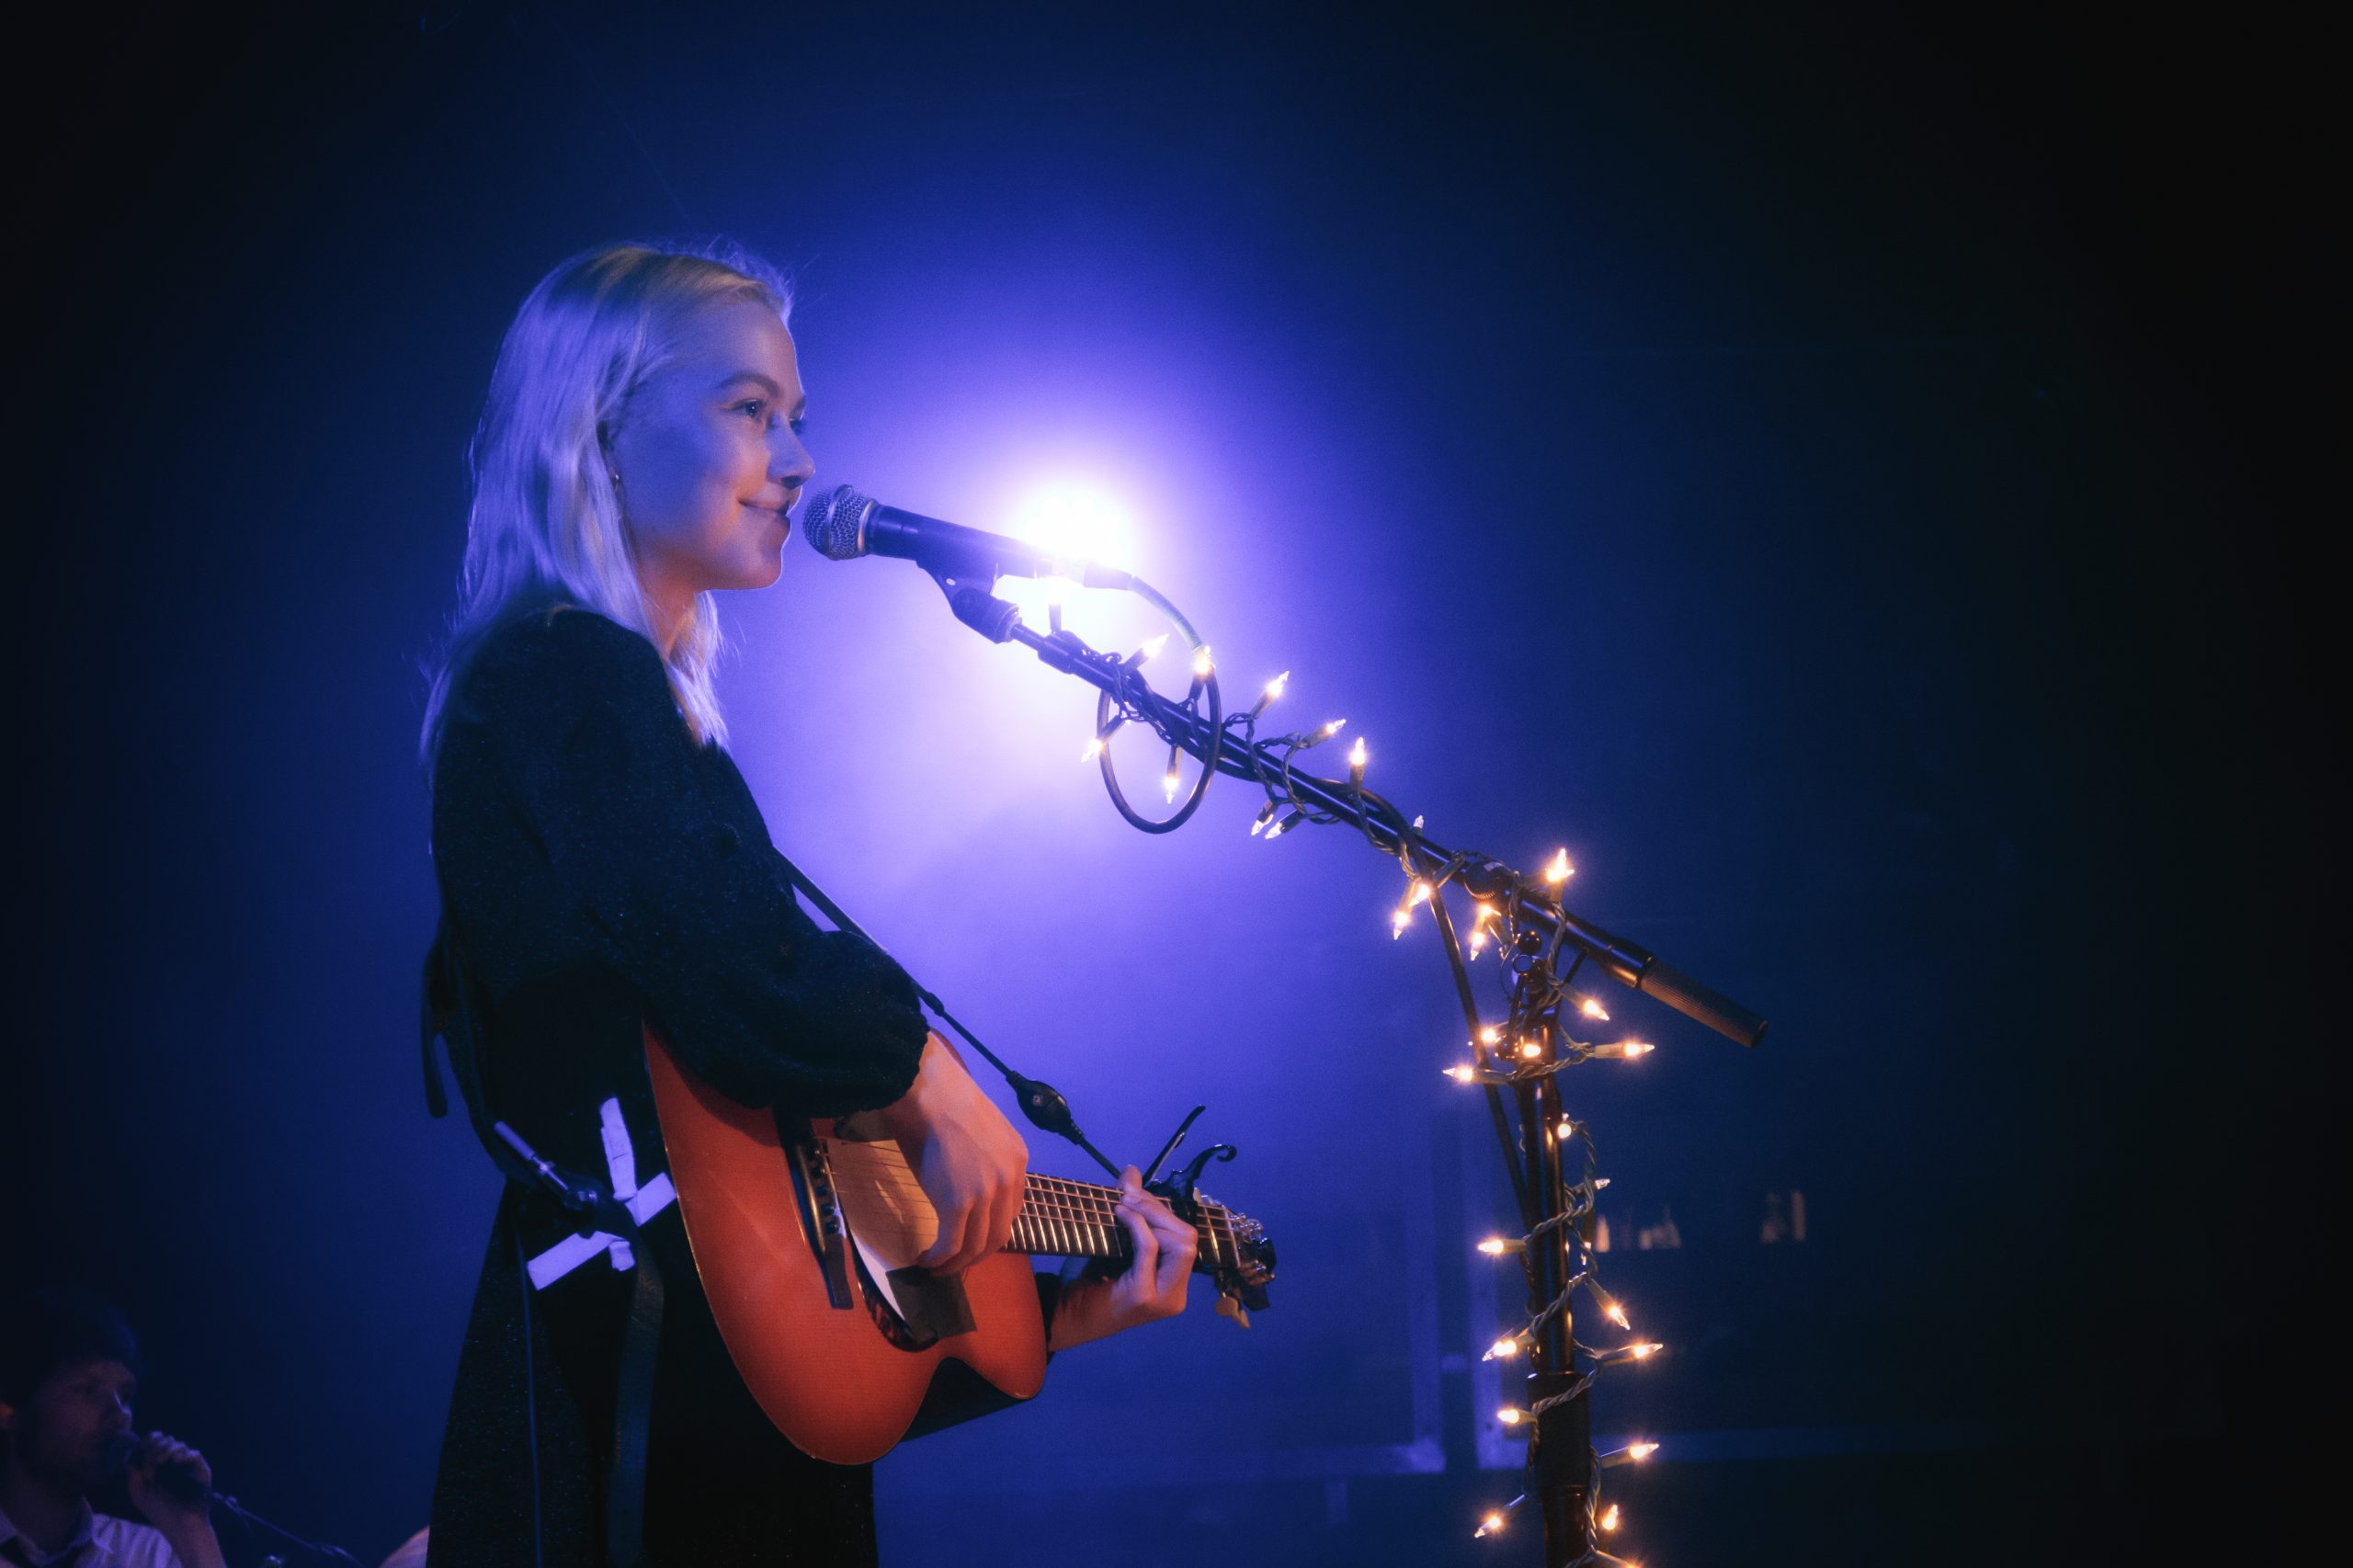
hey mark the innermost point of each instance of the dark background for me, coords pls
(1851, 476)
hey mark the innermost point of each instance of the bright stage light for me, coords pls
(1072, 521)
(1075, 520)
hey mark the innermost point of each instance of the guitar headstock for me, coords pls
(1240, 1258)
(1235, 1252)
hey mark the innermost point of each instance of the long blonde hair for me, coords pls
(545, 526)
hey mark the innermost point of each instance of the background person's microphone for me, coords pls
(844, 523)
(175, 1480)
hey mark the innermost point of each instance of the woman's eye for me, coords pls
(799, 425)
(754, 410)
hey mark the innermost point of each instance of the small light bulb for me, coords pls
(1421, 893)
(1609, 1517)
(1640, 1451)
(1592, 1009)
(1093, 749)
(1463, 1075)
(1482, 911)
(1491, 1525)
(1203, 663)
(1511, 1417)
(1530, 1049)
(1610, 1306)
(1496, 1246)
(1327, 731)
(1501, 1350)
(1478, 942)
(1170, 784)
(1358, 757)
(1490, 1035)
(1274, 690)
(1397, 922)
(1559, 870)
(1627, 1353)
(1266, 815)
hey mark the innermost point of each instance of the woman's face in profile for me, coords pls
(709, 456)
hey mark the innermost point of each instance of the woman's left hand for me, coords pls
(1152, 1287)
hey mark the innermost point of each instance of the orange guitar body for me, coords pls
(837, 1385)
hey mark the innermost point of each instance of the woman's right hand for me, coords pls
(966, 1154)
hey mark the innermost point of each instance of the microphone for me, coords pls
(845, 523)
(176, 1480)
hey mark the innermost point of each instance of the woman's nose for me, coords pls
(789, 460)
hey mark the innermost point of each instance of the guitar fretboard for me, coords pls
(1061, 1218)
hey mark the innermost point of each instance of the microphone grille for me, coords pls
(836, 523)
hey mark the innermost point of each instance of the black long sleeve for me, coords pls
(584, 838)
(598, 867)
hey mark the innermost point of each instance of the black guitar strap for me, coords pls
(449, 1012)
(632, 1416)
(1023, 1087)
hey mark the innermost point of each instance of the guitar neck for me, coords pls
(1061, 1218)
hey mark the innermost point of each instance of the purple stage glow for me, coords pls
(1793, 462)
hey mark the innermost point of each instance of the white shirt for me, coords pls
(101, 1540)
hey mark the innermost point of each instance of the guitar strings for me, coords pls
(1060, 1210)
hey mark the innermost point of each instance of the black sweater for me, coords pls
(599, 868)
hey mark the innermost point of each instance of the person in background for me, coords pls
(69, 1370)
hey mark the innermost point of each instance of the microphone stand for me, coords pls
(1535, 930)
(1627, 963)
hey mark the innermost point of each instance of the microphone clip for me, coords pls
(977, 607)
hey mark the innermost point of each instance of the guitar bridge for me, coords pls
(821, 1213)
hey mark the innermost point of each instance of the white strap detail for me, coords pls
(619, 1158)
(652, 1199)
(566, 1256)
(642, 1203)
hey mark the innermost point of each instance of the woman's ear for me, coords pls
(605, 451)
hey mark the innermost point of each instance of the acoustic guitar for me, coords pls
(806, 1242)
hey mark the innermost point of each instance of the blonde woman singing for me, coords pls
(603, 866)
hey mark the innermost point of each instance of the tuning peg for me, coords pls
(1227, 1307)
